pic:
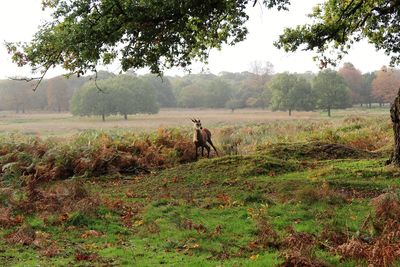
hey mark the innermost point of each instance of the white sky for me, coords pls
(19, 19)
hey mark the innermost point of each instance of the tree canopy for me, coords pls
(291, 92)
(331, 90)
(157, 34)
(161, 34)
(122, 95)
(336, 25)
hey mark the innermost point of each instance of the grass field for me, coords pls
(56, 124)
(302, 191)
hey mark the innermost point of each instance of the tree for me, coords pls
(385, 85)
(17, 95)
(58, 94)
(122, 95)
(331, 91)
(366, 88)
(163, 90)
(291, 92)
(337, 25)
(203, 90)
(354, 80)
(233, 104)
(156, 34)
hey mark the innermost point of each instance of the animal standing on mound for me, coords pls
(201, 137)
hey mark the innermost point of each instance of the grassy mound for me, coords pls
(317, 151)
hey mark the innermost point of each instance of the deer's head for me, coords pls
(197, 124)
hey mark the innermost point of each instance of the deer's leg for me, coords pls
(208, 150)
(211, 143)
(196, 150)
(202, 151)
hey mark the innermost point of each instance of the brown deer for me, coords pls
(201, 137)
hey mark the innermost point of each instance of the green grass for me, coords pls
(309, 176)
(223, 192)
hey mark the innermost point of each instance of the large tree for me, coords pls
(165, 33)
(337, 25)
(331, 90)
(291, 92)
(158, 33)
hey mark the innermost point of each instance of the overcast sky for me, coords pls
(19, 19)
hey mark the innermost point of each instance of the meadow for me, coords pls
(61, 124)
(305, 190)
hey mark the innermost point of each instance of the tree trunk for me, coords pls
(290, 112)
(103, 117)
(125, 116)
(329, 111)
(395, 116)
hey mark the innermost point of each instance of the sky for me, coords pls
(20, 19)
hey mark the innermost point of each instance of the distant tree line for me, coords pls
(259, 88)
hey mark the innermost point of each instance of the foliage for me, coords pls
(58, 95)
(386, 85)
(204, 91)
(338, 24)
(120, 95)
(331, 91)
(155, 34)
(233, 104)
(291, 92)
(353, 79)
(162, 87)
(366, 92)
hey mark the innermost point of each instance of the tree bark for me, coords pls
(103, 117)
(395, 116)
(125, 116)
(290, 112)
(329, 111)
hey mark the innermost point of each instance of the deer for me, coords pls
(201, 137)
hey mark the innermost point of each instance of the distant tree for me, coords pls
(163, 90)
(17, 95)
(261, 68)
(291, 92)
(192, 96)
(122, 95)
(208, 91)
(218, 93)
(366, 88)
(58, 94)
(234, 104)
(331, 91)
(89, 100)
(354, 81)
(385, 85)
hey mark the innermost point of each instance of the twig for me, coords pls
(23, 79)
